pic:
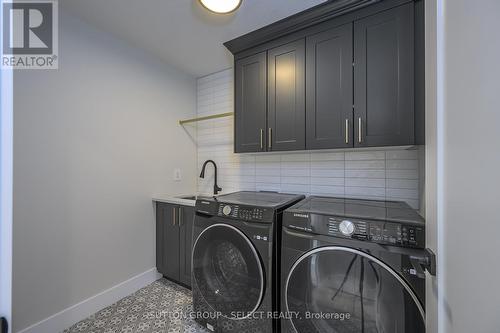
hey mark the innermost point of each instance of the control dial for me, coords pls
(226, 210)
(347, 228)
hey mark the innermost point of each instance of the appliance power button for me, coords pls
(346, 227)
(226, 210)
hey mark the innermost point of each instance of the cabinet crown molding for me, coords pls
(296, 22)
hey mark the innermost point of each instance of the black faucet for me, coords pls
(217, 189)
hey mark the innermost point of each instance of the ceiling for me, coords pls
(181, 32)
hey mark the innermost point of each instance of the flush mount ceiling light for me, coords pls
(221, 6)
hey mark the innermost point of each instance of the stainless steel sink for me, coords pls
(188, 197)
(193, 197)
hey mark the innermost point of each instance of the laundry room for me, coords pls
(249, 166)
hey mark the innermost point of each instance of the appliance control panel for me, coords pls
(389, 233)
(246, 213)
(347, 228)
(378, 232)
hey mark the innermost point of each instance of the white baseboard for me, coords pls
(67, 317)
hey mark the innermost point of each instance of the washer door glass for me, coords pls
(339, 289)
(227, 271)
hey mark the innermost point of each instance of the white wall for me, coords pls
(385, 173)
(471, 160)
(93, 141)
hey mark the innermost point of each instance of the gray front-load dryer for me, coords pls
(235, 260)
(352, 266)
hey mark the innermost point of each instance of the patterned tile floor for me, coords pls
(161, 307)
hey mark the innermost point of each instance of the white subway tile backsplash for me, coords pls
(335, 173)
(240, 179)
(294, 188)
(295, 165)
(365, 182)
(401, 174)
(402, 164)
(365, 173)
(295, 158)
(286, 172)
(402, 193)
(363, 165)
(268, 158)
(327, 190)
(327, 181)
(384, 173)
(260, 171)
(365, 191)
(401, 154)
(267, 179)
(365, 155)
(327, 165)
(295, 180)
(267, 165)
(402, 183)
(267, 187)
(325, 156)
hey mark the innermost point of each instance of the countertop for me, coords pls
(174, 199)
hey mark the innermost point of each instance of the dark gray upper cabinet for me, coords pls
(174, 228)
(250, 103)
(286, 97)
(383, 78)
(341, 74)
(329, 89)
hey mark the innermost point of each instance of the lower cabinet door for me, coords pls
(168, 240)
(185, 233)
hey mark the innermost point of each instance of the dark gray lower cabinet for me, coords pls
(174, 225)
(185, 236)
(384, 78)
(329, 89)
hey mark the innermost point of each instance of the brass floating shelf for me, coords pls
(213, 116)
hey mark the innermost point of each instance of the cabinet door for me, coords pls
(383, 78)
(250, 103)
(329, 95)
(286, 97)
(160, 244)
(168, 238)
(186, 233)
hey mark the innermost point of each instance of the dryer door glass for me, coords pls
(342, 290)
(227, 271)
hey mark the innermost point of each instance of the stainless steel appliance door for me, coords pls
(228, 271)
(340, 289)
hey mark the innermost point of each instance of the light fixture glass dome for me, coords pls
(221, 6)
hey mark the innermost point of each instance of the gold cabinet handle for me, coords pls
(347, 131)
(360, 135)
(261, 139)
(180, 217)
(270, 145)
(174, 216)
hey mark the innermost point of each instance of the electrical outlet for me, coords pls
(177, 175)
